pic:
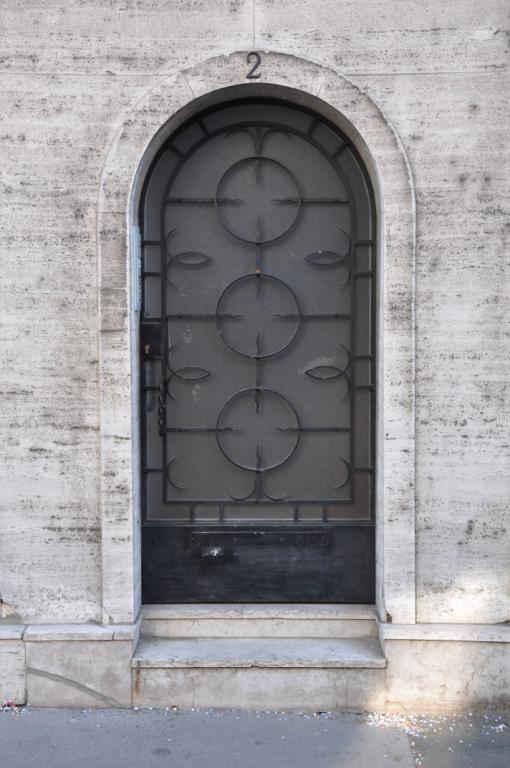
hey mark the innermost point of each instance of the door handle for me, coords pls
(213, 553)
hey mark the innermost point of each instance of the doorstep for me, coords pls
(259, 620)
(260, 673)
(259, 652)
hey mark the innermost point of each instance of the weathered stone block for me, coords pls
(440, 676)
(79, 673)
(12, 668)
(311, 689)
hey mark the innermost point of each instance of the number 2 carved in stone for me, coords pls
(253, 56)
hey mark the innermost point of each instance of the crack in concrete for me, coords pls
(73, 684)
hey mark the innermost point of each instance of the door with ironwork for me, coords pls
(257, 362)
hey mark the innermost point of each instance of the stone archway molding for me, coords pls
(137, 136)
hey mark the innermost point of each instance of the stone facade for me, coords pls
(89, 90)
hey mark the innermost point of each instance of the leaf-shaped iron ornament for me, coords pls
(187, 373)
(184, 258)
(327, 372)
(328, 258)
(324, 372)
(191, 259)
(325, 259)
(191, 373)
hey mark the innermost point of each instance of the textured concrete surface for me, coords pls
(109, 739)
(189, 739)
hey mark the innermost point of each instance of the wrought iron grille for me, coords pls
(257, 324)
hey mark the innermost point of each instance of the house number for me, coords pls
(253, 56)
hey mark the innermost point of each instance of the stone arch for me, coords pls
(138, 136)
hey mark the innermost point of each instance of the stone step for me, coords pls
(261, 620)
(260, 673)
(259, 652)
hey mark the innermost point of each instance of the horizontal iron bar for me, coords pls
(238, 525)
(327, 200)
(202, 429)
(285, 316)
(282, 200)
(205, 200)
(251, 501)
(200, 316)
(313, 429)
(193, 200)
(313, 316)
(277, 429)
(311, 200)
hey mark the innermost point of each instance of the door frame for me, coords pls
(137, 137)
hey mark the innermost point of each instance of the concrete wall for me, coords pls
(69, 70)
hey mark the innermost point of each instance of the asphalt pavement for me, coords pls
(170, 738)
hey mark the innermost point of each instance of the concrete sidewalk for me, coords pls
(41, 738)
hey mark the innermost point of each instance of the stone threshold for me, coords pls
(38, 633)
(470, 633)
(481, 633)
(259, 652)
(259, 611)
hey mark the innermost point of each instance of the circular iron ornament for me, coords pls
(247, 402)
(259, 280)
(257, 200)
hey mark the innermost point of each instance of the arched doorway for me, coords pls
(258, 362)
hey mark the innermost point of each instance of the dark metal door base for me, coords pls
(258, 565)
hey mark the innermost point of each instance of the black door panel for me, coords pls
(258, 363)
